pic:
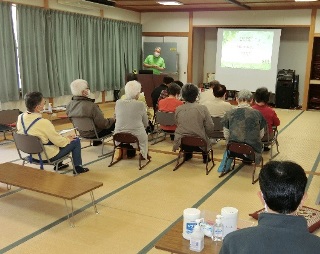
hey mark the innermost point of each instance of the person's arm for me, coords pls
(53, 136)
(225, 123)
(263, 125)
(147, 62)
(275, 119)
(145, 119)
(161, 66)
(99, 120)
(226, 134)
(208, 123)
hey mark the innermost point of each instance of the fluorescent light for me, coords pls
(306, 0)
(169, 3)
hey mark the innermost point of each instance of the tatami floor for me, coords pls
(136, 206)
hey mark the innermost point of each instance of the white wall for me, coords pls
(293, 53)
(165, 22)
(252, 18)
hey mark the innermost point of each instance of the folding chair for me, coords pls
(8, 119)
(237, 151)
(86, 124)
(271, 141)
(194, 141)
(126, 138)
(218, 128)
(166, 119)
(32, 145)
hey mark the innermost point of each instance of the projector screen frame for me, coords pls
(251, 79)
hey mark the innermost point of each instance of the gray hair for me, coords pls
(77, 86)
(245, 95)
(132, 89)
(157, 48)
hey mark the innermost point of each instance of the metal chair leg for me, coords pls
(183, 161)
(116, 161)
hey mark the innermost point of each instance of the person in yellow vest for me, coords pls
(55, 145)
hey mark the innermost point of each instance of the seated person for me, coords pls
(261, 103)
(192, 119)
(55, 145)
(82, 106)
(157, 91)
(164, 93)
(130, 77)
(279, 230)
(217, 106)
(132, 116)
(170, 104)
(207, 95)
(244, 124)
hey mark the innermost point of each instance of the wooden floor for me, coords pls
(137, 206)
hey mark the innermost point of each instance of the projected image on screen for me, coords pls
(247, 49)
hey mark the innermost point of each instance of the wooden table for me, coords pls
(174, 242)
(50, 183)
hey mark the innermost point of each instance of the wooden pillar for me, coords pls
(190, 48)
(309, 60)
(46, 4)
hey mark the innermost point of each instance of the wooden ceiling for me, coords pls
(215, 5)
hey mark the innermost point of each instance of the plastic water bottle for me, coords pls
(50, 107)
(218, 230)
(197, 238)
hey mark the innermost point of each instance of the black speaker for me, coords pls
(284, 94)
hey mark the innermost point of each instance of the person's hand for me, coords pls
(71, 137)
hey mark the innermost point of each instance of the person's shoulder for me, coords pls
(241, 234)
(45, 122)
(181, 107)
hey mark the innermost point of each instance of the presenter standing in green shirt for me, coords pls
(155, 62)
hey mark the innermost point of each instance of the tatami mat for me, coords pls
(137, 206)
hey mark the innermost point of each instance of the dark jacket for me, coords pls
(275, 233)
(156, 93)
(81, 106)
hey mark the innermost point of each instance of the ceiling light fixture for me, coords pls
(306, 0)
(169, 3)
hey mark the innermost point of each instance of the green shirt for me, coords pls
(151, 59)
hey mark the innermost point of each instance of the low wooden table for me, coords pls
(50, 183)
(174, 242)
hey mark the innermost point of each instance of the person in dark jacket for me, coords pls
(279, 230)
(82, 106)
(157, 91)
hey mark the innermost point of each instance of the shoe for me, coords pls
(247, 162)
(96, 143)
(62, 166)
(205, 158)
(80, 170)
(187, 156)
(266, 149)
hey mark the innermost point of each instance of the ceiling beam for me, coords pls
(239, 4)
